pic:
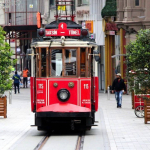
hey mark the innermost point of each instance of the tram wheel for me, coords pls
(139, 111)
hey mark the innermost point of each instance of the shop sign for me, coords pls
(111, 27)
(89, 26)
(63, 8)
(111, 32)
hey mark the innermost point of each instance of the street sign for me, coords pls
(62, 31)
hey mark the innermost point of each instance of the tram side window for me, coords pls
(82, 66)
(70, 62)
(43, 62)
(56, 62)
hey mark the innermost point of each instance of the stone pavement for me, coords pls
(19, 118)
(125, 131)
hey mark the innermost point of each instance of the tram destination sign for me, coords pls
(62, 31)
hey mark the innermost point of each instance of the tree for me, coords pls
(5, 64)
(138, 63)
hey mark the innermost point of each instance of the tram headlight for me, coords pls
(40, 32)
(63, 95)
(84, 32)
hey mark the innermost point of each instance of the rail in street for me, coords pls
(42, 144)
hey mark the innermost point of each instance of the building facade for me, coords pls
(122, 19)
(20, 24)
(114, 43)
(95, 15)
(133, 15)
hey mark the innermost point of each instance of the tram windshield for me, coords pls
(57, 62)
(60, 63)
(70, 62)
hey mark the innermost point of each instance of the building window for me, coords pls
(83, 2)
(79, 2)
(52, 3)
(136, 2)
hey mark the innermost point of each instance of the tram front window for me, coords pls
(70, 62)
(63, 62)
(56, 63)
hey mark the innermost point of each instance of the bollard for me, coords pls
(10, 97)
(108, 90)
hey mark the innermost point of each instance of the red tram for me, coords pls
(64, 90)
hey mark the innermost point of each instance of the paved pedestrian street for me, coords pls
(124, 130)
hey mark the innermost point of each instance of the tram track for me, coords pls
(78, 146)
(80, 142)
(42, 143)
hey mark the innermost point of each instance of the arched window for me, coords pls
(136, 2)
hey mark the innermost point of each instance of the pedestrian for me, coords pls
(25, 76)
(119, 87)
(16, 79)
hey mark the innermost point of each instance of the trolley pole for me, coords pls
(108, 91)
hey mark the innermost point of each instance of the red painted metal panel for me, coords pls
(80, 94)
(62, 84)
(32, 91)
(66, 107)
(138, 100)
(85, 88)
(41, 93)
(96, 89)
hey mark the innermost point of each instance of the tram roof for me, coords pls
(67, 43)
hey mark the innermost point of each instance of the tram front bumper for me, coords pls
(63, 110)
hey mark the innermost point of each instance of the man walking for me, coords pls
(25, 76)
(16, 79)
(119, 87)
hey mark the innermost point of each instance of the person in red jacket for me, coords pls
(25, 76)
(119, 87)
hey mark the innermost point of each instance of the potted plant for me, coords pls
(6, 63)
(138, 65)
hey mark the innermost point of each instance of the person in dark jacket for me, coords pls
(119, 87)
(16, 79)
